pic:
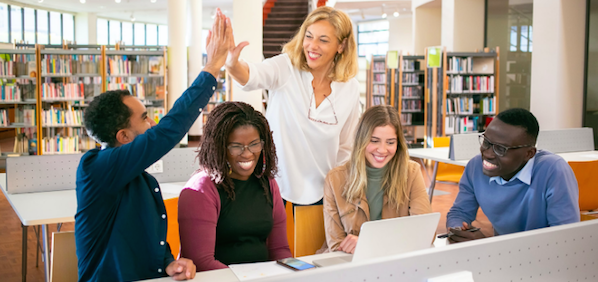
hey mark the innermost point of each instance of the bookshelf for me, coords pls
(378, 82)
(222, 94)
(409, 101)
(18, 93)
(462, 95)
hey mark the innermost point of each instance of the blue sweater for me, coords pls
(120, 225)
(550, 199)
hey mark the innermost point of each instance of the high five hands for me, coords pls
(219, 41)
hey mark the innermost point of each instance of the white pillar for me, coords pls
(247, 26)
(558, 63)
(462, 25)
(86, 28)
(195, 51)
(400, 32)
(426, 24)
(177, 51)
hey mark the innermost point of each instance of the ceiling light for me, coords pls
(39, 1)
(132, 17)
(384, 15)
(153, 1)
(117, 1)
(396, 14)
(82, 1)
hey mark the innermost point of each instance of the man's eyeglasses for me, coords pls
(498, 149)
(237, 150)
(317, 120)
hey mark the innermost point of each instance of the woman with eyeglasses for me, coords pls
(231, 210)
(378, 182)
(313, 104)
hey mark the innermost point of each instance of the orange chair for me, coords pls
(172, 236)
(290, 226)
(447, 172)
(309, 230)
(585, 172)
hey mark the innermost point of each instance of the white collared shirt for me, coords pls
(525, 174)
(306, 149)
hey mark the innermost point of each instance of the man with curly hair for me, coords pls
(120, 225)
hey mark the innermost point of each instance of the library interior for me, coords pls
(357, 119)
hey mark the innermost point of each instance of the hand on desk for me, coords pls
(465, 233)
(181, 269)
(348, 244)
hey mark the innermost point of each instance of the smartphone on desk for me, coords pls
(295, 264)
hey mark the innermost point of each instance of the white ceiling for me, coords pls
(145, 11)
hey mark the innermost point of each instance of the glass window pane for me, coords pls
(127, 33)
(513, 40)
(523, 42)
(102, 32)
(3, 22)
(29, 25)
(68, 27)
(16, 23)
(55, 27)
(530, 38)
(152, 34)
(139, 34)
(114, 32)
(163, 35)
(42, 27)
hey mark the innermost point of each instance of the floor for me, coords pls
(10, 232)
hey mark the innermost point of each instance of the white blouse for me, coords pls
(306, 149)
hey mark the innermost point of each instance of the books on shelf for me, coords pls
(155, 65)
(59, 117)
(86, 64)
(488, 106)
(60, 145)
(17, 65)
(411, 106)
(412, 91)
(156, 113)
(25, 116)
(410, 78)
(378, 100)
(379, 89)
(132, 65)
(406, 119)
(62, 91)
(470, 84)
(379, 66)
(150, 88)
(55, 64)
(410, 65)
(460, 105)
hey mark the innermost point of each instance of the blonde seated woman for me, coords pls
(378, 182)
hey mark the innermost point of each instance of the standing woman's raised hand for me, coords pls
(234, 51)
(218, 43)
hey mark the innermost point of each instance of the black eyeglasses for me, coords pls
(498, 149)
(237, 150)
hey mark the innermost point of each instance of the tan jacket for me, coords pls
(342, 218)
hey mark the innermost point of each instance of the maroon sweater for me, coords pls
(199, 209)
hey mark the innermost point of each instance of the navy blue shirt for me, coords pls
(120, 225)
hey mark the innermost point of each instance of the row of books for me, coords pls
(406, 119)
(68, 117)
(461, 106)
(412, 91)
(63, 91)
(457, 124)
(156, 113)
(470, 84)
(137, 90)
(411, 77)
(151, 88)
(410, 65)
(378, 66)
(460, 65)
(60, 145)
(378, 100)
(379, 89)
(16, 64)
(411, 105)
(4, 118)
(380, 77)
(488, 105)
(55, 64)
(25, 115)
(218, 97)
(126, 65)
(25, 142)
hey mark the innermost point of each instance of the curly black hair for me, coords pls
(223, 119)
(106, 115)
(522, 118)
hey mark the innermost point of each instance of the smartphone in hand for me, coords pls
(295, 264)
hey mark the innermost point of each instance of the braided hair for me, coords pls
(223, 120)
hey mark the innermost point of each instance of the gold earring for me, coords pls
(230, 169)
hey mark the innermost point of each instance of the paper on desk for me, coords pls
(249, 271)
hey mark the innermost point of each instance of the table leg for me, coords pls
(421, 161)
(24, 255)
(433, 182)
(39, 248)
(46, 252)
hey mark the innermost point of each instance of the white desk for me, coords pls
(55, 207)
(442, 155)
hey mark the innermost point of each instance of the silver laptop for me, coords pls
(388, 237)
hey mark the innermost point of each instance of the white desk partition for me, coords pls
(58, 172)
(562, 253)
(464, 146)
(566, 140)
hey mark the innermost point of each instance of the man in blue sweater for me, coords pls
(517, 187)
(120, 225)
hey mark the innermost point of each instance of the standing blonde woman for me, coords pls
(313, 107)
(378, 182)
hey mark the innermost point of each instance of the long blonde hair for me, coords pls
(394, 181)
(345, 64)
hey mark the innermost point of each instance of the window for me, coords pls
(16, 23)
(372, 38)
(42, 27)
(114, 32)
(29, 25)
(151, 34)
(139, 34)
(3, 22)
(127, 33)
(162, 35)
(68, 27)
(102, 32)
(55, 28)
